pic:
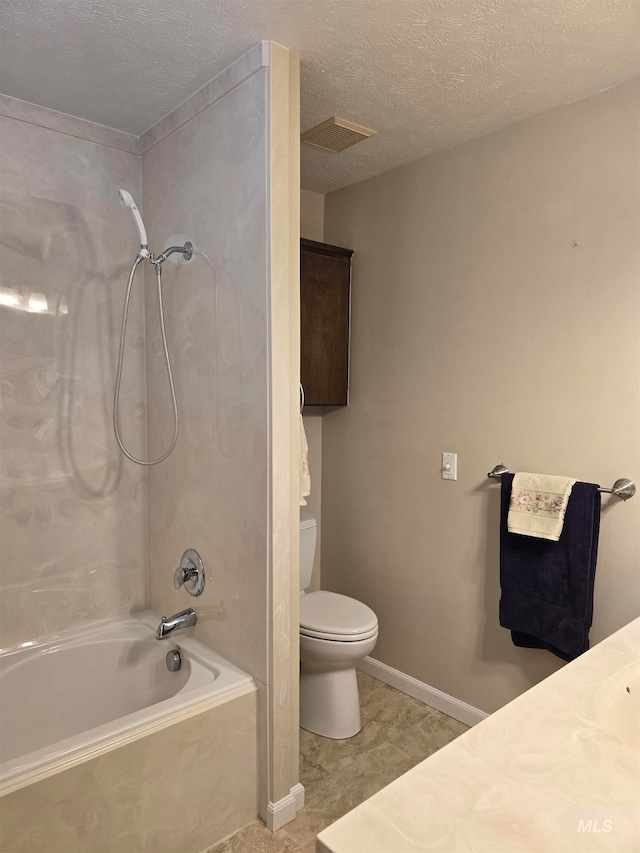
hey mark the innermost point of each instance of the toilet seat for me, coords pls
(330, 616)
(337, 638)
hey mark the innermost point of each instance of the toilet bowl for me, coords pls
(336, 632)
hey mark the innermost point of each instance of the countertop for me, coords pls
(545, 773)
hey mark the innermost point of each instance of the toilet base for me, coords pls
(329, 701)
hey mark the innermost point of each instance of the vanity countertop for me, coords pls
(557, 769)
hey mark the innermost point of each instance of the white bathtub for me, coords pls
(71, 698)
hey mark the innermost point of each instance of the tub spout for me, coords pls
(184, 619)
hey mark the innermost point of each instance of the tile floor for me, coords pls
(397, 733)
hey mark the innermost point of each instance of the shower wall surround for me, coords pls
(206, 181)
(72, 513)
(222, 171)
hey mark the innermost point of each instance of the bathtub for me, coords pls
(102, 748)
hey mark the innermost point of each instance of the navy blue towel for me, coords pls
(547, 587)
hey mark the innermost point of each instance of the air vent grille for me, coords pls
(336, 134)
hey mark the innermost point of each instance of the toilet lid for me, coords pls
(332, 615)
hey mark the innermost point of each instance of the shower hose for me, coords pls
(116, 399)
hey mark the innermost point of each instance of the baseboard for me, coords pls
(284, 811)
(449, 705)
(298, 794)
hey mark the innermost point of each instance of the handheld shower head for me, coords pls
(126, 200)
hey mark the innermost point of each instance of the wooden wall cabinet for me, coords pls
(325, 301)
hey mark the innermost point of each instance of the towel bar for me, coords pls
(623, 489)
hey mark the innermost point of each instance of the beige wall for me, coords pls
(72, 511)
(312, 215)
(496, 314)
(312, 227)
(283, 341)
(290, 174)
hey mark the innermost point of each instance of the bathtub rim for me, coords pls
(41, 763)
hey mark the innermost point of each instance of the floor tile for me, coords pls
(343, 790)
(256, 838)
(428, 736)
(397, 733)
(385, 713)
(307, 824)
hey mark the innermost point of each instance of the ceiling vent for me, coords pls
(336, 134)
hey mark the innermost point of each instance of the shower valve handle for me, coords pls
(181, 576)
(190, 573)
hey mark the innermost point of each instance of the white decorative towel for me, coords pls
(538, 504)
(305, 477)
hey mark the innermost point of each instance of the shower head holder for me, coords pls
(126, 200)
(186, 250)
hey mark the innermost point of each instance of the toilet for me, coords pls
(336, 632)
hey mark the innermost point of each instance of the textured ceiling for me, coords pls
(426, 74)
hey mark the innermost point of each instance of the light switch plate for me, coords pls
(449, 466)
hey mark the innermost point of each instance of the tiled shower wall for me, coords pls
(72, 512)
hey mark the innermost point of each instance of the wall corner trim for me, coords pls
(79, 128)
(284, 810)
(449, 705)
(226, 81)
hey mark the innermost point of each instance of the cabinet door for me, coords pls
(325, 284)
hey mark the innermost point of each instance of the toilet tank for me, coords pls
(308, 530)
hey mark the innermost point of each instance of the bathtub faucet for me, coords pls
(184, 619)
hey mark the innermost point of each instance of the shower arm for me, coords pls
(186, 251)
